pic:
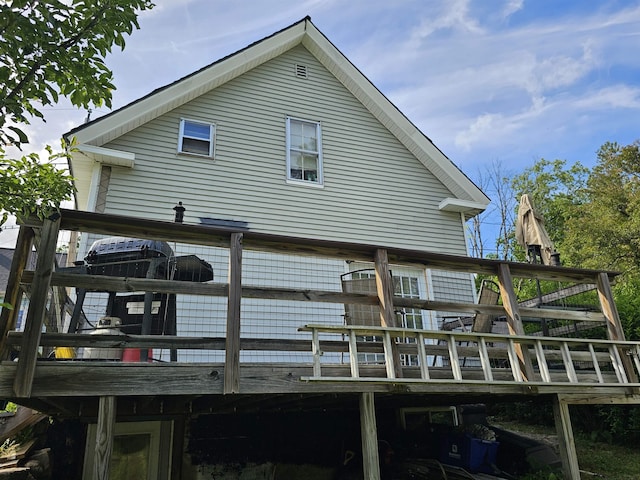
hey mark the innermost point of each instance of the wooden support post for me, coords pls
(13, 293)
(104, 437)
(232, 353)
(369, 434)
(568, 453)
(384, 286)
(614, 326)
(26, 367)
(510, 303)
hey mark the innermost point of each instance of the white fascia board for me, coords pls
(108, 156)
(387, 113)
(463, 206)
(181, 92)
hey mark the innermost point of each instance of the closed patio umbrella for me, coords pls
(531, 234)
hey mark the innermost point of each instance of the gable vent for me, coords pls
(301, 71)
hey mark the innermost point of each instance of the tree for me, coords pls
(498, 219)
(50, 49)
(605, 232)
(28, 186)
(557, 191)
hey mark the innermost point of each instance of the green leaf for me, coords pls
(22, 137)
(54, 48)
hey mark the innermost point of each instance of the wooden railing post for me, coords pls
(26, 367)
(384, 286)
(13, 293)
(614, 326)
(232, 348)
(510, 304)
(104, 437)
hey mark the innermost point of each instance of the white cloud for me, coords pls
(511, 7)
(612, 97)
(455, 16)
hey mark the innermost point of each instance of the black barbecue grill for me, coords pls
(142, 314)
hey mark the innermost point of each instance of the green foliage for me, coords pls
(605, 231)
(527, 412)
(627, 296)
(556, 190)
(57, 48)
(11, 407)
(545, 474)
(29, 187)
(50, 49)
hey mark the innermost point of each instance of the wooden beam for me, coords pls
(587, 399)
(104, 437)
(98, 378)
(13, 293)
(232, 354)
(384, 287)
(128, 284)
(614, 326)
(369, 434)
(514, 321)
(37, 308)
(108, 224)
(567, 445)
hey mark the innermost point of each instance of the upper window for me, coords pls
(304, 151)
(196, 138)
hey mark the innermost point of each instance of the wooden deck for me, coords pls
(412, 366)
(454, 361)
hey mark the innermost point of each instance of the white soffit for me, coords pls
(459, 205)
(107, 156)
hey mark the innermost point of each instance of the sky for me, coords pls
(503, 82)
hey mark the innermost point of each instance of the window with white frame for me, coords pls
(406, 285)
(196, 138)
(304, 151)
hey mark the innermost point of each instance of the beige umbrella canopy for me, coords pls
(531, 234)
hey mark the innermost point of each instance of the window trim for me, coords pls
(182, 136)
(319, 183)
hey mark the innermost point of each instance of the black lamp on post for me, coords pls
(179, 209)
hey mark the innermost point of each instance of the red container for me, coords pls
(133, 355)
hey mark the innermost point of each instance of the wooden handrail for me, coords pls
(108, 224)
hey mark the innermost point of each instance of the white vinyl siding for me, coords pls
(375, 190)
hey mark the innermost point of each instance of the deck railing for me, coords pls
(420, 356)
(449, 356)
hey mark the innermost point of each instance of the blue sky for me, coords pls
(507, 81)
